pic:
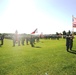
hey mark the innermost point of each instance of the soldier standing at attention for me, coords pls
(23, 39)
(2, 39)
(31, 41)
(27, 39)
(69, 42)
(16, 38)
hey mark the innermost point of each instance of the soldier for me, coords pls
(23, 39)
(69, 42)
(2, 39)
(27, 39)
(14, 40)
(18, 40)
(32, 41)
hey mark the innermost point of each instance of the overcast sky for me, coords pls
(48, 16)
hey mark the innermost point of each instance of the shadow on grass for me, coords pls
(37, 47)
(42, 42)
(72, 51)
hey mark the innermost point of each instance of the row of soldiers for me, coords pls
(31, 39)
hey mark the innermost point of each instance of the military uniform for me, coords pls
(23, 39)
(16, 40)
(32, 41)
(69, 42)
(27, 40)
(2, 39)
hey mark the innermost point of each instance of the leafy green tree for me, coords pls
(64, 32)
(69, 32)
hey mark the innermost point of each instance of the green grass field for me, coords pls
(48, 56)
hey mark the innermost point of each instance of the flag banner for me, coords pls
(34, 31)
(74, 22)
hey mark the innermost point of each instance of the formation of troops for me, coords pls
(20, 39)
(17, 38)
(23, 39)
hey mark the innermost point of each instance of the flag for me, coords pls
(74, 22)
(34, 31)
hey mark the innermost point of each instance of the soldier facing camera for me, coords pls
(69, 42)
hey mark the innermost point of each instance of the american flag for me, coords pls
(74, 21)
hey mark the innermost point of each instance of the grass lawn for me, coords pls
(48, 56)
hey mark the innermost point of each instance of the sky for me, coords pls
(48, 16)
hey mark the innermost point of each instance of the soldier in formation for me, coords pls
(32, 41)
(16, 39)
(69, 42)
(23, 39)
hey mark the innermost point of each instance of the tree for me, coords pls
(57, 33)
(69, 32)
(64, 32)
